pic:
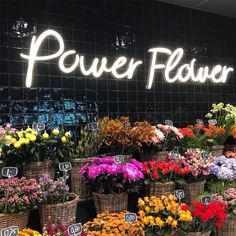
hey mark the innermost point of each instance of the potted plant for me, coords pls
(206, 217)
(111, 181)
(162, 215)
(87, 148)
(113, 224)
(56, 202)
(17, 197)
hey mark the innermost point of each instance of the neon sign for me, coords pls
(184, 72)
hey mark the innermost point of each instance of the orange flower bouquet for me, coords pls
(112, 224)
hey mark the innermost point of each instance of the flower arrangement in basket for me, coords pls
(17, 197)
(162, 215)
(56, 202)
(108, 224)
(110, 181)
(159, 176)
(206, 217)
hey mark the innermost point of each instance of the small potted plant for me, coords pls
(111, 181)
(56, 202)
(206, 217)
(17, 197)
(162, 215)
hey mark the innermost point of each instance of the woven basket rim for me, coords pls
(71, 202)
(162, 183)
(78, 160)
(14, 213)
(37, 162)
(193, 183)
(110, 194)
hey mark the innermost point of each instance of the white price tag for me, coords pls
(65, 166)
(130, 217)
(179, 193)
(212, 122)
(175, 154)
(169, 122)
(119, 158)
(38, 126)
(9, 171)
(206, 200)
(205, 155)
(199, 122)
(75, 229)
(10, 231)
(92, 126)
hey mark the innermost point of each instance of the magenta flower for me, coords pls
(93, 172)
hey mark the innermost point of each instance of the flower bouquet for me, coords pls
(106, 224)
(162, 215)
(206, 217)
(28, 232)
(111, 181)
(56, 202)
(17, 197)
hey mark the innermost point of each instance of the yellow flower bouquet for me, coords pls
(28, 232)
(162, 215)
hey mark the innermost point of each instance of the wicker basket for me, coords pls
(159, 156)
(217, 150)
(38, 169)
(17, 219)
(192, 191)
(228, 228)
(77, 185)
(158, 188)
(110, 202)
(61, 213)
(196, 233)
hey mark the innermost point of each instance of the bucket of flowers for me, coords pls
(17, 197)
(111, 181)
(162, 215)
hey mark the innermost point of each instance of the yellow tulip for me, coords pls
(45, 136)
(17, 144)
(34, 132)
(67, 134)
(20, 134)
(55, 132)
(147, 209)
(32, 138)
(8, 138)
(174, 223)
(13, 140)
(28, 129)
(28, 135)
(27, 141)
(63, 139)
(169, 220)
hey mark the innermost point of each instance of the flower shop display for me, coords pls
(109, 224)
(199, 166)
(206, 217)
(56, 202)
(28, 232)
(88, 147)
(17, 197)
(228, 197)
(111, 181)
(162, 215)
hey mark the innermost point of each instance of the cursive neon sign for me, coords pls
(184, 72)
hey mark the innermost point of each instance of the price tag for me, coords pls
(92, 126)
(65, 166)
(179, 193)
(175, 154)
(126, 125)
(119, 158)
(9, 171)
(130, 217)
(205, 155)
(38, 126)
(169, 122)
(10, 231)
(75, 229)
(212, 122)
(199, 122)
(206, 200)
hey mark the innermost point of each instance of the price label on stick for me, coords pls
(206, 200)
(92, 126)
(9, 171)
(175, 154)
(130, 217)
(38, 126)
(169, 122)
(119, 158)
(10, 231)
(212, 122)
(65, 166)
(179, 193)
(75, 229)
(199, 122)
(205, 155)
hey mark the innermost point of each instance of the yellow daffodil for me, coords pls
(17, 145)
(55, 132)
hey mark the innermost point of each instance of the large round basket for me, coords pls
(228, 228)
(77, 185)
(17, 219)
(159, 156)
(110, 202)
(38, 169)
(217, 150)
(192, 191)
(61, 213)
(196, 233)
(159, 188)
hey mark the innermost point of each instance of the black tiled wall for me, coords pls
(110, 28)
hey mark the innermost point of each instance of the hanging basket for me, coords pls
(17, 219)
(159, 188)
(217, 150)
(61, 213)
(228, 228)
(38, 169)
(192, 191)
(110, 202)
(196, 233)
(77, 184)
(159, 156)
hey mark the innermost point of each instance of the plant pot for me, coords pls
(61, 213)
(217, 150)
(228, 228)
(17, 219)
(159, 188)
(158, 156)
(77, 184)
(196, 233)
(192, 191)
(110, 202)
(38, 169)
